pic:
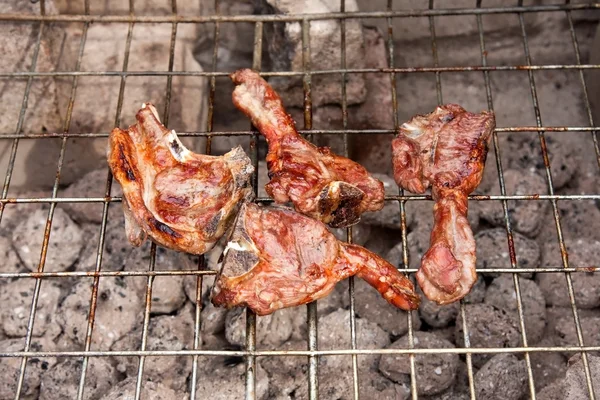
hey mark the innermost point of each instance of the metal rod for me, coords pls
(296, 17)
(299, 353)
(250, 315)
(507, 223)
(557, 222)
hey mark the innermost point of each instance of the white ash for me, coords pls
(125, 390)
(435, 372)
(504, 377)
(284, 45)
(334, 333)
(92, 184)
(526, 216)
(167, 291)
(223, 378)
(16, 298)
(389, 215)
(501, 294)
(493, 251)
(10, 368)
(118, 311)
(165, 332)
(582, 253)
(271, 330)
(488, 327)
(369, 305)
(65, 242)
(62, 380)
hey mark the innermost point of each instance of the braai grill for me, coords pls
(250, 354)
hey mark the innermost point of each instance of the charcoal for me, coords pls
(502, 295)
(583, 253)
(213, 319)
(222, 378)
(211, 260)
(504, 377)
(118, 311)
(16, 298)
(10, 368)
(116, 248)
(554, 391)
(371, 385)
(92, 184)
(369, 304)
(389, 215)
(117, 7)
(10, 260)
(488, 327)
(284, 45)
(477, 293)
(62, 380)
(440, 316)
(167, 291)
(435, 372)
(334, 333)
(547, 366)
(336, 299)
(271, 330)
(526, 216)
(575, 382)
(287, 374)
(493, 251)
(288, 377)
(125, 390)
(64, 245)
(165, 332)
(566, 333)
(435, 315)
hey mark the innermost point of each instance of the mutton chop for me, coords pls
(319, 183)
(446, 150)
(277, 258)
(182, 200)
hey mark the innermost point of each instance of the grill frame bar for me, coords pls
(312, 353)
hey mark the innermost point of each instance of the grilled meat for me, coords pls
(446, 150)
(320, 184)
(278, 258)
(180, 199)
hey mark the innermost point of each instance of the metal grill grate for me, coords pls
(312, 352)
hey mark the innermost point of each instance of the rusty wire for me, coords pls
(312, 353)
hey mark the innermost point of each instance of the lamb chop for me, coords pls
(180, 199)
(446, 150)
(323, 185)
(278, 258)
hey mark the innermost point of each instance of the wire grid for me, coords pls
(312, 353)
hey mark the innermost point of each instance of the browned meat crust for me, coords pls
(180, 199)
(446, 150)
(320, 184)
